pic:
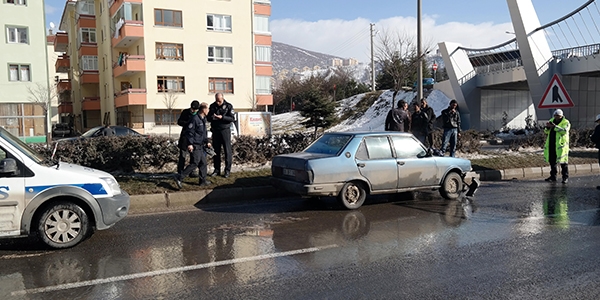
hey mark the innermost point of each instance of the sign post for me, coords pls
(434, 67)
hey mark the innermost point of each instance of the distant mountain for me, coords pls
(288, 57)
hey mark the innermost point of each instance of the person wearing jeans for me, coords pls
(451, 125)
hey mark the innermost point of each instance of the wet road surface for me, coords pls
(514, 240)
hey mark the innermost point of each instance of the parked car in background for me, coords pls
(351, 165)
(427, 83)
(97, 132)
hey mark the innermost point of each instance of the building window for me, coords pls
(89, 63)
(261, 24)
(164, 117)
(22, 119)
(218, 23)
(165, 17)
(263, 85)
(17, 35)
(87, 35)
(86, 8)
(169, 51)
(263, 53)
(16, 2)
(19, 73)
(220, 85)
(220, 54)
(171, 84)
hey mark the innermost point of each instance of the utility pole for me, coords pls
(372, 59)
(419, 55)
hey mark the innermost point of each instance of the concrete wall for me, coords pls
(585, 93)
(494, 103)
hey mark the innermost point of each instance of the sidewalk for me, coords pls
(244, 195)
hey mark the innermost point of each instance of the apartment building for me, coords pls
(24, 80)
(138, 63)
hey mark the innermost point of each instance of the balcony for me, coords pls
(130, 32)
(116, 4)
(88, 77)
(65, 108)
(62, 64)
(262, 8)
(131, 64)
(61, 42)
(90, 49)
(63, 85)
(90, 103)
(264, 99)
(86, 21)
(131, 97)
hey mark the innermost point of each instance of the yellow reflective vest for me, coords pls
(562, 141)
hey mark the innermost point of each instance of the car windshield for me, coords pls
(91, 132)
(329, 144)
(21, 146)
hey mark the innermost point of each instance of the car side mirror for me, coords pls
(8, 166)
(428, 153)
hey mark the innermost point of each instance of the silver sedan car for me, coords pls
(351, 165)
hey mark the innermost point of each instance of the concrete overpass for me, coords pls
(503, 84)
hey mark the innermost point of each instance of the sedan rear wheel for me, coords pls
(452, 186)
(352, 195)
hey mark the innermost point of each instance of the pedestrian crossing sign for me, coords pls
(556, 95)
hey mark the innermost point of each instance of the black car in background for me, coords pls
(62, 130)
(97, 132)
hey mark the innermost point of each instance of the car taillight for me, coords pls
(304, 176)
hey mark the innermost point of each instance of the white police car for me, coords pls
(62, 203)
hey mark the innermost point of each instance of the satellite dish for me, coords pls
(52, 25)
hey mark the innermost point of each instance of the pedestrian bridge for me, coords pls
(502, 85)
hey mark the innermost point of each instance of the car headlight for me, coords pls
(113, 185)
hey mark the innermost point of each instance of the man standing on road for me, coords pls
(221, 115)
(196, 141)
(418, 123)
(428, 110)
(556, 148)
(398, 118)
(596, 139)
(451, 125)
(183, 121)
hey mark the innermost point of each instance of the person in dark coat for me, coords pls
(107, 131)
(221, 115)
(428, 110)
(183, 121)
(419, 122)
(398, 119)
(451, 125)
(596, 139)
(196, 141)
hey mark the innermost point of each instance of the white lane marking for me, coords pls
(167, 271)
(13, 256)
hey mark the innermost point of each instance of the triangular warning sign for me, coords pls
(556, 95)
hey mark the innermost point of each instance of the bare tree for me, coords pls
(43, 96)
(397, 56)
(253, 101)
(170, 99)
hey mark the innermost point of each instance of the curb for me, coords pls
(244, 195)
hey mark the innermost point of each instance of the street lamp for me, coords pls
(419, 55)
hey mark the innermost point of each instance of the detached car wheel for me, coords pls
(452, 186)
(63, 225)
(352, 195)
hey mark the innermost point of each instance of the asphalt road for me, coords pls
(514, 240)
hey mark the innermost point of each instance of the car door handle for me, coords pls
(360, 165)
(400, 163)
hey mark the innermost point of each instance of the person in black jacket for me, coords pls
(183, 121)
(596, 139)
(196, 141)
(428, 110)
(451, 125)
(221, 115)
(398, 119)
(418, 123)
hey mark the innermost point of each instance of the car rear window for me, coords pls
(329, 144)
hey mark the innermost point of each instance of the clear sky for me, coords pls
(341, 27)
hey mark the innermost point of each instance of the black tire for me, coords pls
(452, 186)
(63, 225)
(352, 195)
